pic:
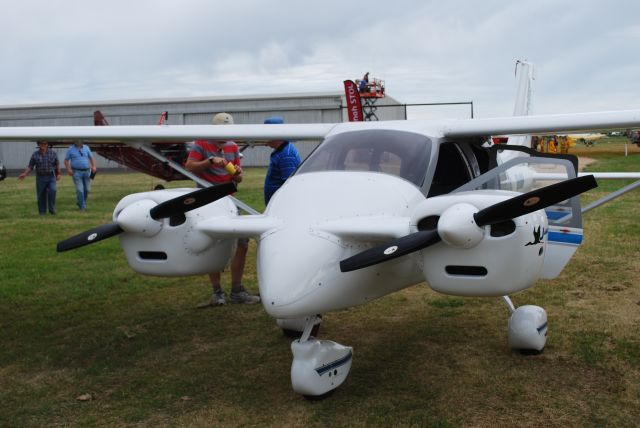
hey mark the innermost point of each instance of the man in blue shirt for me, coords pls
(284, 161)
(47, 167)
(364, 83)
(80, 165)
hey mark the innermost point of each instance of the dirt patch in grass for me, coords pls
(584, 162)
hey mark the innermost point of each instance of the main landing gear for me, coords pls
(527, 327)
(319, 366)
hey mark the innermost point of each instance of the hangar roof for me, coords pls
(203, 99)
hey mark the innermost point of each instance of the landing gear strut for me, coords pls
(293, 327)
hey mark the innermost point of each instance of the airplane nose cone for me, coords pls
(292, 266)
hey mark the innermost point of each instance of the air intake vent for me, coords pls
(504, 228)
(466, 270)
(429, 223)
(177, 220)
(152, 255)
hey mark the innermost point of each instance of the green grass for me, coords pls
(82, 322)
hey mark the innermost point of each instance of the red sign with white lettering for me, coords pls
(354, 106)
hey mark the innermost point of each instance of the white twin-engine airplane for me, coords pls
(377, 207)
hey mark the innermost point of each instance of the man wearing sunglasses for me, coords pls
(80, 164)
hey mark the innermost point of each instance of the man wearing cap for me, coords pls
(283, 163)
(213, 161)
(47, 167)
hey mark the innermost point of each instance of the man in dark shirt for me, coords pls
(47, 167)
(283, 162)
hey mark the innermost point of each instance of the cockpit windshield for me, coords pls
(400, 153)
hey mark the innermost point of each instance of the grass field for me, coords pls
(82, 324)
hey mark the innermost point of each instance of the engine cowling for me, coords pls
(176, 248)
(489, 261)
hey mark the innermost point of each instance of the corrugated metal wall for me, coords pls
(294, 108)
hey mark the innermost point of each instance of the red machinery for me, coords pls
(361, 98)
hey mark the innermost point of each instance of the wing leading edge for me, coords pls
(541, 124)
(171, 133)
(458, 128)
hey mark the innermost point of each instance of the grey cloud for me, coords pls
(430, 51)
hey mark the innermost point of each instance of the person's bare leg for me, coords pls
(237, 268)
(238, 293)
(217, 298)
(214, 277)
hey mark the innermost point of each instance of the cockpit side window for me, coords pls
(400, 153)
(452, 170)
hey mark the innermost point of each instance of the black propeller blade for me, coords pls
(179, 205)
(390, 250)
(89, 237)
(192, 200)
(534, 200)
(506, 210)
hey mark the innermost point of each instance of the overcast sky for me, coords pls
(586, 52)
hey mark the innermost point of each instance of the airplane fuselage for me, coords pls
(298, 264)
(320, 214)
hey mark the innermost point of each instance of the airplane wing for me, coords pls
(367, 228)
(239, 227)
(596, 175)
(159, 150)
(358, 228)
(452, 128)
(171, 133)
(541, 124)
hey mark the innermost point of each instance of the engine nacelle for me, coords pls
(501, 260)
(178, 248)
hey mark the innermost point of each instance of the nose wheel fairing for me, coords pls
(319, 366)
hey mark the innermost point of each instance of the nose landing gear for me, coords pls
(319, 366)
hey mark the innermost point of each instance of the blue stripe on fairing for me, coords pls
(565, 238)
(337, 363)
(555, 215)
(542, 327)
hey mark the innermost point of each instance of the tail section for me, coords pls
(524, 88)
(524, 99)
(522, 106)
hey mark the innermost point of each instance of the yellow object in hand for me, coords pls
(231, 169)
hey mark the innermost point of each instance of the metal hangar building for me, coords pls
(323, 107)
